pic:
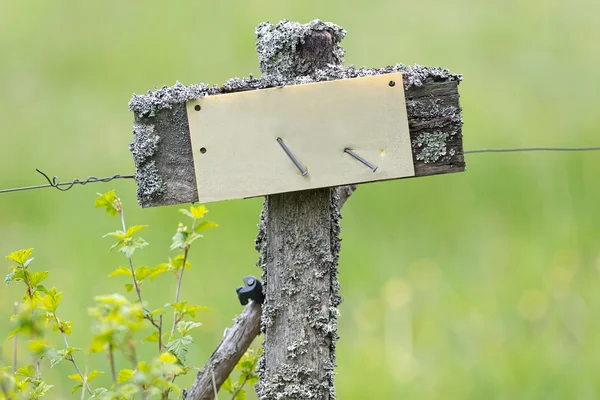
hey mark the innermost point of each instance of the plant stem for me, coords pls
(178, 290)
(246, 377)
(135, 282)
(240, 388)
(64, 335)
(111, 359)
(86, 374)
(160, 345)
(29, 292)
(214, 385)
(132, 352)
(16, 305)
(83, 379)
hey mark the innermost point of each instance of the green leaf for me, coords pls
(41, 389)
(177, 262)
(37, 277)
(71, 350)
(51, 300)
(76, 388)
(38, 346)
(153, 337)
(20, 256)
(18, 274)
(241, 395)
(75, 377)
(41, 288)
(159, 269)
(118, 234)
(144, 367)
(98, 393)
(134, 229)
(99, 342)
(179, 306)
(143, 272)
(227, 384)
(204, 225)
(128, 287)
(62, 355)
(191, 310)
(128, 248)
(128, 390)
(124, 375)
(120, 271)
(27, 371)
(198, 212)
(179, 239)
(66, 326)
(9, 277)
(167, 358)
(94, 374)
(185, 326)
(116, 245)
(179, 347)
(186, 212)
(107, 201)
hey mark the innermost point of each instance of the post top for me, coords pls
(290, 49)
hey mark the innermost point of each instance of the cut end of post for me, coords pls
(290, 49)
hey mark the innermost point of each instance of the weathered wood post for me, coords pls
(300, 246)
(408, 123)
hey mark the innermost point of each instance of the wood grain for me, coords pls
(236, 341)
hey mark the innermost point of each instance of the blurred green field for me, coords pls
(480, 285)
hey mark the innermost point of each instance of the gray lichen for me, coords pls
(278, 46)
(432, 145)
(146, 105)
(149, 182)
(297, 348)
(291, 382)
(145, 142)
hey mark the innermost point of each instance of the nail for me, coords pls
(359, 158)
(291, 156)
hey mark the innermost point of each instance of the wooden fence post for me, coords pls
(300, 247)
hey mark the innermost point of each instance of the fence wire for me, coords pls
(64, 186)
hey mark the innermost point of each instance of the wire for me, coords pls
(511, 150)
(56, 183)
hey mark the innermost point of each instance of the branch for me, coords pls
(235, 342)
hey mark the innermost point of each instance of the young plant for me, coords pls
(117, 321)
(172, 348)
(247, 375)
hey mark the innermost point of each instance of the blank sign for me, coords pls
(237, 153)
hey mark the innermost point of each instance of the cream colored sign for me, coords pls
(237, 153)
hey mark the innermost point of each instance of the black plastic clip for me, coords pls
(252, 290)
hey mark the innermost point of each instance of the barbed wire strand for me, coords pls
(56, 183)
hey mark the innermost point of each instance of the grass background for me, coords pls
(475, 285)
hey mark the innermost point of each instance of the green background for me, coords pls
(476, 285)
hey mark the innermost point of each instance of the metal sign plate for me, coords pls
(237, 153)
